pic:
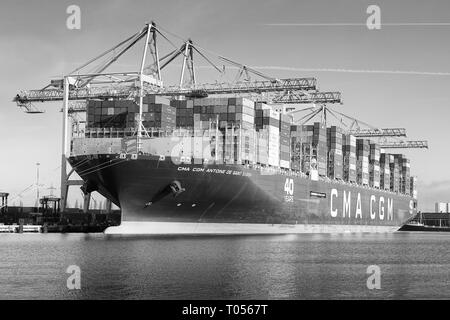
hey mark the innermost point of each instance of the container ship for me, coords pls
(231, 165)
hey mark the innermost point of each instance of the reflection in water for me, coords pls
(413, 265)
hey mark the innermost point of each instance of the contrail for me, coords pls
(400, 72)
(282, 68)
(351, 24)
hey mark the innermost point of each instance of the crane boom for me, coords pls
(264, 86)
(405, 144)
(127, 85)
(260, 86)
(311, 97)
(386, 132)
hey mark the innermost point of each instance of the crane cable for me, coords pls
(219, 56)
(101, 166)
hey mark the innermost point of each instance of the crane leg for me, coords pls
(86, 202)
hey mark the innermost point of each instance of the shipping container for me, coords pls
(154, 99)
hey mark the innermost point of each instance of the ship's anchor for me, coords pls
(174, 187)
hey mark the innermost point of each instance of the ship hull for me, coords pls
(162, 196)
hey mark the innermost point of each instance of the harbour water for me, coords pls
(412, 265)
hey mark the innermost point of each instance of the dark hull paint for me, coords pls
(234, 194)
(409, 227)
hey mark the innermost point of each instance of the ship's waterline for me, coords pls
(188, 228)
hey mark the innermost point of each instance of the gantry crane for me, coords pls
(25, 98)
(126, 85)
(362, 130)
(390, 132)
(79, 85)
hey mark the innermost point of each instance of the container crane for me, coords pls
(24, 98)
(79, 86)
(125, 85)
(390, 132)
(368, 131)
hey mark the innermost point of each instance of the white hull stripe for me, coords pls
(169, 228)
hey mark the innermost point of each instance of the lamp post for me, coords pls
(37, 184)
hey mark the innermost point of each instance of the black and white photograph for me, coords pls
(225, 155)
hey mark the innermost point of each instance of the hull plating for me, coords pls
(236, 199)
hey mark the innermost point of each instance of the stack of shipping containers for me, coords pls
(242, 112)
(246, 145)
(262, 145)
(320, 147)
(296, 147)
(237, 112)
(158, 114)
(109, 114)
(202, 115)
(231, 115)
(185, 113)
(335, 156)
(301, 147)
(307, 134)
(349, 154)
(268, 138)
(218, 109)
(405, 176)
(205, 113)
(267, 122)
(309, 148)
(394, 165)
(374, 165)
(362, 161)
(93, 107)
(230, 141)
(133, 109)
(285, 140)
(385, 171)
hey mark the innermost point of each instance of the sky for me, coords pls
(397, 76)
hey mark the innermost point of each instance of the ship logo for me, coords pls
(380, 207)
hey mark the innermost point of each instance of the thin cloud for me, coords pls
(438, 184)
(422, 73)
(351, 24)
(282, 68)
(296, 69)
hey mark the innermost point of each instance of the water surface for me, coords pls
(413, 265)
